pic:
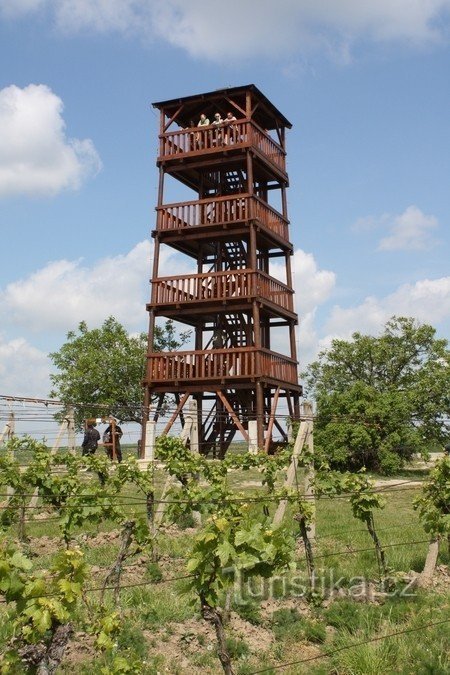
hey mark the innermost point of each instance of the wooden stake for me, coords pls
(290, 478)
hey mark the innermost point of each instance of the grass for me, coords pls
(300, 629)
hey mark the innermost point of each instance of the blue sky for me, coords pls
(366, 86)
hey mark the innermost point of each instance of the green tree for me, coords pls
(103, 369)
(381, 399)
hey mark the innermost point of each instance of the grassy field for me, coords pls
(273, 623)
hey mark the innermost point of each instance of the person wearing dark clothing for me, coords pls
(90, 440)
(108, 441)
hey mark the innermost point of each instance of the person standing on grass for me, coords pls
(90, 440)
(111, 438)
(447, 449)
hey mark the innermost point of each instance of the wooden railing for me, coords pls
(222, 286)
(218, 364)
(203, 212)
(198, 140)
(201, 139)
(268, 146)
(274, 290)
(270, 217)
(220, 210)
(278, 367)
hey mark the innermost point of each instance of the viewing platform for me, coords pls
(209, 142)
(232, 288)
(221, 211)
(195, 369)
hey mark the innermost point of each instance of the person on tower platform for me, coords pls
(218, 122)
(230, 129)
(199, 141)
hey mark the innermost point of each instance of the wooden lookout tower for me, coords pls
(233, 231)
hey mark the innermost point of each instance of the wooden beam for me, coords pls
(175, 414)
(254, 109)
(233, 416)
(166, 126)
(280, 429)
(235, 105)
(159, 405)
(271, 420)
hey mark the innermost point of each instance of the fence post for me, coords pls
(292, 471)
(149, 447)
(194, 441)
(9, 428)
(309, 469)
(71, 429)
(253, 437)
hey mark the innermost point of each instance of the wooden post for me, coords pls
(253, 437)
(149, 447)
(310, 471)
(9, 428)
(8, 431)
(260, 414)
(71, 429)
(292, 471)
(185, 434)
(430, 563)
(63, 428)
(194, 441)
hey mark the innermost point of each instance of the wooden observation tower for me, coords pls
(231, 224)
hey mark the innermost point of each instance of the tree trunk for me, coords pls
(115, 572)
(212, 616)
(308, 548)
(150, 509)
(227, 607)
(57, 647)
(21, 529)
(45, 661)
(381, 558)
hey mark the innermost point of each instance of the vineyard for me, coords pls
(196, 565)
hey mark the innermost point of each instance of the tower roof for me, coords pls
(190, 108)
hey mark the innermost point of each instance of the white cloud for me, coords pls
(313, 288)
(57, 297)
(16, 8)
(123, 16)
(36, 157)
(409, 231)
(427, 300)
(288, 26)
(24, 370)
(78, 292)
(65, 292)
